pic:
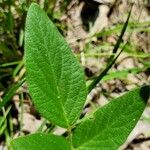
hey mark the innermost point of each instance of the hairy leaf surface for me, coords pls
(54, 76)
(110, 125)
(40, 141)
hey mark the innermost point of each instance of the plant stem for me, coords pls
(70, 136)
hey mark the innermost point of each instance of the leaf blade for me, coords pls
(112, 123)
(40, 141)
(55, 79)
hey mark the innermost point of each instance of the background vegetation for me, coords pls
(92, 29)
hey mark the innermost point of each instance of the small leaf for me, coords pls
(40, 141)
(54, 76)
(110, 125)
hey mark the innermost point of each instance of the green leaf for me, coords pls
(40, 141)
(54, 76)
(110, 125)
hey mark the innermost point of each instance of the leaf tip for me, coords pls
(33, 5)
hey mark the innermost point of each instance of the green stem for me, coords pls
(69, 130)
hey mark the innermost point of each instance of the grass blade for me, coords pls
(103, 73)
(111, 59)
(10, 93)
